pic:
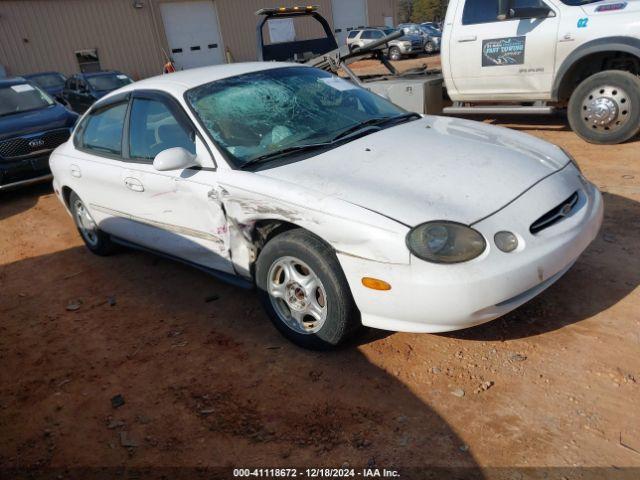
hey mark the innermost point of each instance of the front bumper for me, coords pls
(22, 172)
(409, 49)
(427, 297)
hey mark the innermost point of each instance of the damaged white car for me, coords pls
(341, 208)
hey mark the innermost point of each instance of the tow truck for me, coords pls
(508, 57)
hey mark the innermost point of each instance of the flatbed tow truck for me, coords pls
(527, 57)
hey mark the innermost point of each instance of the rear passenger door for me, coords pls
(69, 93)
(96, 173)
(84, 96)
(174, 212)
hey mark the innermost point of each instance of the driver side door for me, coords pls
(495, 59)
(173, 212)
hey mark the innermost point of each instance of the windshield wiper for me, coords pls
(374, 122)
(285, 151)
(371, 123)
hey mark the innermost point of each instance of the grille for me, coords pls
(555, 215)
(23, 147)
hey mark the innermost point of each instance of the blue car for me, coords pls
(50, 82)
(32, 124)
(83, 89)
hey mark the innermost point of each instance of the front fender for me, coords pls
(608, 44)
(348, 228)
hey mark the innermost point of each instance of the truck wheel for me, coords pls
(429, 47)
(394, 54)
(605, 108)
(303, 289)
(95, 239)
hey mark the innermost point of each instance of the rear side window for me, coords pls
(102, 131)
(153, 128)
(353, 33)
(480, 11)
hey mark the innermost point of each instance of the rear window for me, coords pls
(108, 82)
(480, 11)
(48, 80)
(22, 97)
(103, 130)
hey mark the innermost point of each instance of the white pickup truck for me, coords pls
(534, 56)
(508, 57)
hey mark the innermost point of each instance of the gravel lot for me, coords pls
(207, 381)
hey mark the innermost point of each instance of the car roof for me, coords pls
(31, 75)
(100, 73)
(185, 79)
(7, 82)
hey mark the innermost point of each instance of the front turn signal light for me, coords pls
(375, 283)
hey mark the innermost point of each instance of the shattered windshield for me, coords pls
(260, 113)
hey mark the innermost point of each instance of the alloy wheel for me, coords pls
(297, 295)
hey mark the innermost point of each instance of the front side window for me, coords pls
(23, 97)
(480, 11)
(108, 82)
(367, 35)
(377, 34)
(102, 131)
(259, 113)
(153, 128)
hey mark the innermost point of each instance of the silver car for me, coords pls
(403, 46)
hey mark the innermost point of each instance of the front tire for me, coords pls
(95, 239)
(395, 54)
(429, 48)
(605, 107)
(303, 289)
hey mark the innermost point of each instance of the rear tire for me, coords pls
(605, 107)
(95, 239)
(303, 289)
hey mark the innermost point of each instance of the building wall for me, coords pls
(40, 35)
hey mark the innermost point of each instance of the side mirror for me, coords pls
(176, 158)
(529, 12)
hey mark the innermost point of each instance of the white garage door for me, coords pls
(347, 15)
(193, 34)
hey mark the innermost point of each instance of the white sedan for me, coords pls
(340, 207)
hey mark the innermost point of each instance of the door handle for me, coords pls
(134, 184)
(75, 171)
(467, 38)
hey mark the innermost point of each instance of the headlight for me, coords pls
(573, 160)
(445, 242)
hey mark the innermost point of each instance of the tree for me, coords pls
(405, 8)
(427, 10)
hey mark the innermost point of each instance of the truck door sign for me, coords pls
(503, 51)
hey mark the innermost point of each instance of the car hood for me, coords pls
(435, 168)
(35, 121)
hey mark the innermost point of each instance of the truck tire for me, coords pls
(304, 290)
(605, 107)
(395, 54)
